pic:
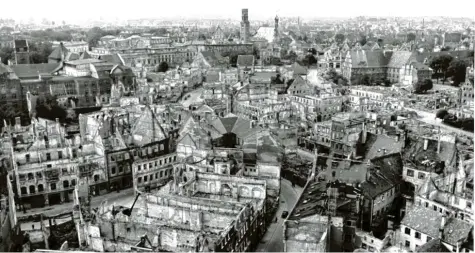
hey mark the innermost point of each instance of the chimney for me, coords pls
(426, 143)
(438, 144)
(364, 134)
(442, 225)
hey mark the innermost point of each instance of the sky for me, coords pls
(258, 9)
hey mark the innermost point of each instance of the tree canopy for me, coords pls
(339, 38)
(422, 86)
(162, 67)
(96, 33)
(457, 70)
(47, 107)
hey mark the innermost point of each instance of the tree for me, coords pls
(6, 53)
(457, 70)
(93, 36)
(309, 60)
(47, 107)
(313, 51)
(441, 113)
(411, 37)
(365, 80)
(339, 38)
(362, 40)
(40, 51)
(427, 85)
(162, 67)
(440, 66)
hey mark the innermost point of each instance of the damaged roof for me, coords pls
(424, 220)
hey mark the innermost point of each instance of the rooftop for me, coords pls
(424, 220)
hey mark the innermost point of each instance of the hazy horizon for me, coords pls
(216, 9)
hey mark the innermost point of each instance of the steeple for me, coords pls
(276, 29)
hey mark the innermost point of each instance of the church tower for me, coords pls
(22, 52)
(276, 30)
(245, 26)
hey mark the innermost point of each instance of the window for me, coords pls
(407, 231)
(139, 180)
(418, 235)
(60, 155)
(139, 167)
(27, 158)
(427, 204)
(161, 174)
(48, 157)
(145, 178)
(73, 182)
(408, 244)
(113, 170)
(421, 175)
(469, 204)
(410, 173)
(40, 188)
(435, 208)
(121, 169)
(53, 186)
(23, 190)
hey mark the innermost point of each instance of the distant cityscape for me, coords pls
(283, 134)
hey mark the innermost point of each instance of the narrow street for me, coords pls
(273, 239)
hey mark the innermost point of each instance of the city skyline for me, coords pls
(258, 10)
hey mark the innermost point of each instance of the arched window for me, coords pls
(30, 176)
(23, 190)
(32, 189)
(40, 188)
(65, 183)
(73, 182)
(96, 178)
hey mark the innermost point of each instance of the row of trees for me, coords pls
(39, 52)
(96, 33)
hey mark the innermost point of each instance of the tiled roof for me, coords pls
(434, 245)
(299, 70)
(113, 58)
(245, 60)
(385, 174)
(456, 230)
(367, 59)
(399, 59)
(423, 220)
(33, 70)
(59, 53)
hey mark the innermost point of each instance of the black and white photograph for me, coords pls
(237, 126)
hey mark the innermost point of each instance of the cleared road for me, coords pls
(194, 97)
(273, 239)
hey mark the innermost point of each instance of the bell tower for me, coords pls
(245, 26)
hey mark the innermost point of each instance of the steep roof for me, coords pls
(59, 53)
(368, 59)
(214, 58)
(299, 70)
(385, 174)
(456, 230)
(424, 220)
(146, 128)
(85, 55)
(113, 58)
(25, 71)
(399, 59)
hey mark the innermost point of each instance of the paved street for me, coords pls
(429, 118)
(273, 239)
(194, 98)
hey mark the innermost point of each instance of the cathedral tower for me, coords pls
(245, 26)
(276, 30)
